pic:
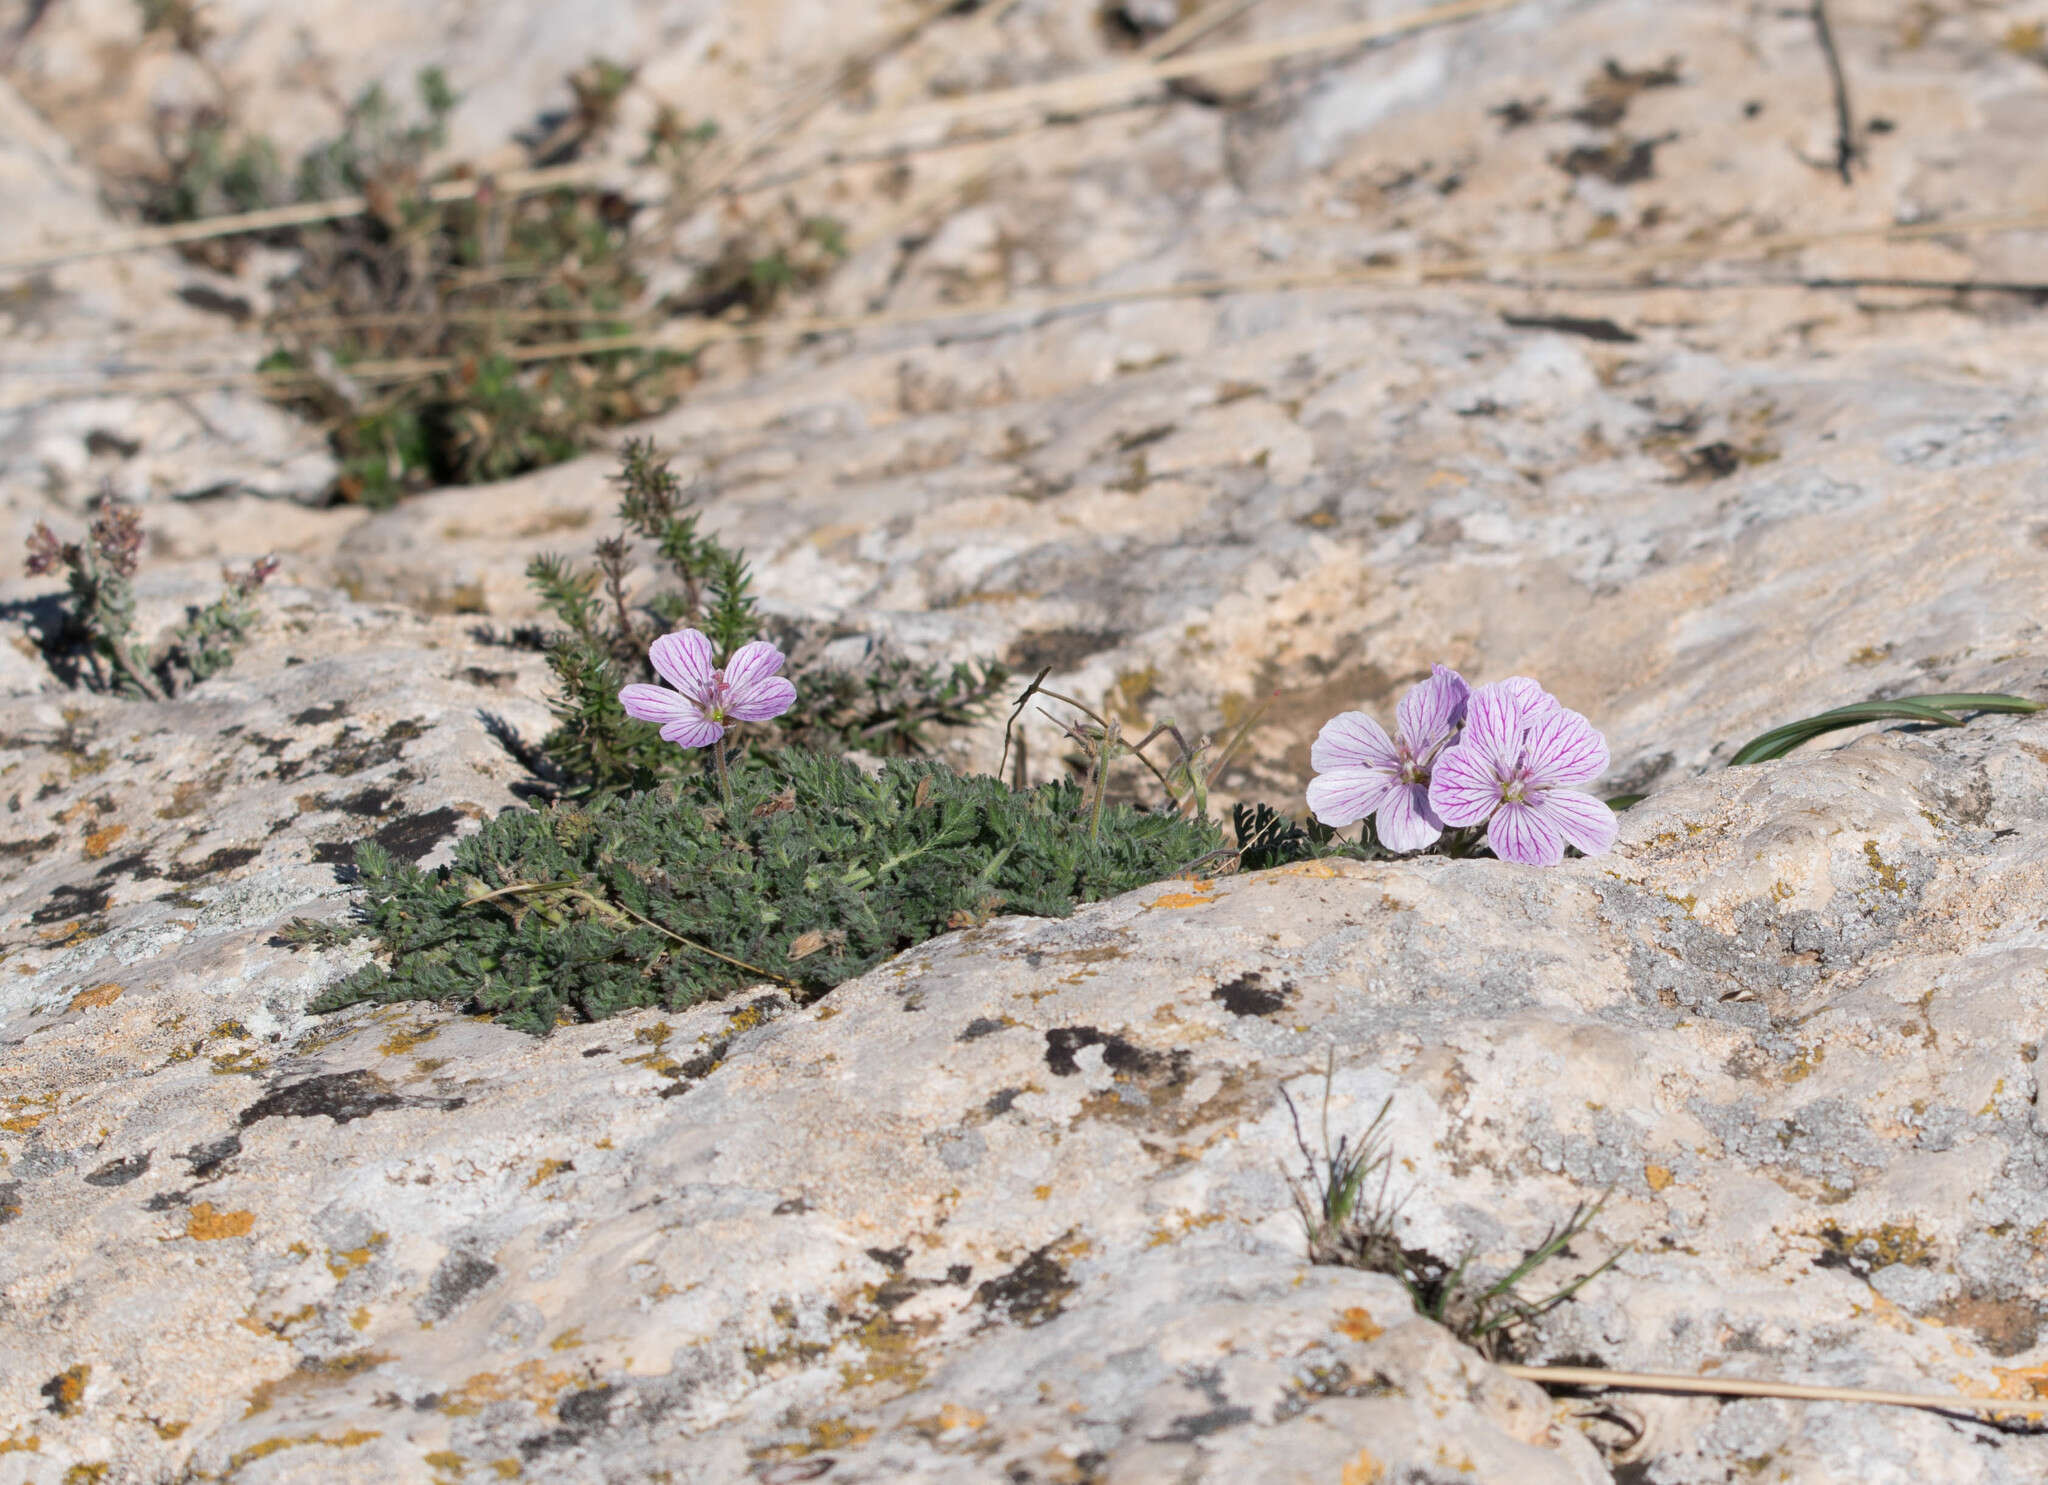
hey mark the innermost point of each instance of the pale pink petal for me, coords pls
(683, 659)
(1530, 696)
(692, 732)
(1344, 796)
(762, 699)
(1522, 832)
(1581, 819)
(656, 703)
(1495, 718)
(1354, 740)
(1563, 750)
(1464, 787)
(1431, 711)
(751, 663)
(1404, 820)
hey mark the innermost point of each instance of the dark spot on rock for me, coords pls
(412, 837)
(2006, 1326)
(582, 1414)
(456, 1280)
(1619, 162)
(352, 753)
(1712, 461)
(10, 1201)
(20, 850)
(794, 1206)
(1029, 1294)
(1248, 995)
(1602, 330)
(211, 1156)
(596, 1051)
(892, 1259)
(163, 1201)
(477, 675)
(1061, 649)
(1001, 1100)
(227, 858)
(213, 301)
(75, 900)
(372, 802)
(979, 1027)
(66, 1390)
(136, 866)
(1187, 1429)
(338, 1096)
(313, 716)
(106, 441)
(1064, 1043)
(119, 1172)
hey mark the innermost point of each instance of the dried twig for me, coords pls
(1591, 1376)
(1846, 152)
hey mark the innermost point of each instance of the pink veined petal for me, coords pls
(1523, 832)
(1531, 697)
(1581, 819)
(1563, 750)
(1344, 796)
(1495, 719)
(751, 664)
(1354, 740)
(1432, 710)
(656, 703)
(759, 700)
(1464, 788)
(692, 732)
(1404, 820)
(683, 659)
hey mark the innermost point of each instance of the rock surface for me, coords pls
(1015, 1206)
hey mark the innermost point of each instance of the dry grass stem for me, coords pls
(1591, 1376)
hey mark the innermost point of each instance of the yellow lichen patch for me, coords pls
(654, 1060)
(529, 1381)
(745, 1020)
(508, 1469)
(1201, 892)
(360, 1320)
(1991, 1103)
(548, 1169)
(66, 1390)
(349, 1440)
(206, 1224)
(1179, 1226)
(1882, 1246)
(446, 1464)
(33, 1444)
(99, 842)
(1041, 1193)
(826, 1434)
(169, 1430)
(1658, 1177)
(1805, 1064)
(241, 1060)
(950, 1418)
(1320, 870)
(24, 1114)
(888, 1354)
(279, 1322)
(405, 1038)
(568, 1340)
(1888, 878)
(343, 1262)
(97, 996)
(87, 1473)
(310, 1375)
(1362, 1469)
(1357, 1322)
(2021, 1382)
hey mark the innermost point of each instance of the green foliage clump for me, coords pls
(95, 641)
(886, 707)
(663, 898)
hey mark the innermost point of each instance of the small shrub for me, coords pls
(664, 898)
(887, 706)
(96, 643)
(1348, 1215)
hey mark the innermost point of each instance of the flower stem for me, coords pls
(724, 781)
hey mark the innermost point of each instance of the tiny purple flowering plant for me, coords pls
(1504, 762)
(707, 700)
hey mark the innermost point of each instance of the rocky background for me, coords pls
(1624, 387)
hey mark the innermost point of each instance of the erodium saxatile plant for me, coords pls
(708, 699)
(1507, 757)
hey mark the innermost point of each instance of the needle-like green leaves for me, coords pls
(1938, 710)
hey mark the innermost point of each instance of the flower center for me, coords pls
(716, 699)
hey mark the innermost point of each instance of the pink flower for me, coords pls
(1517, 769)
(706, 701)
(1361, 771)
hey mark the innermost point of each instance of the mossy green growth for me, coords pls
(663, 898)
